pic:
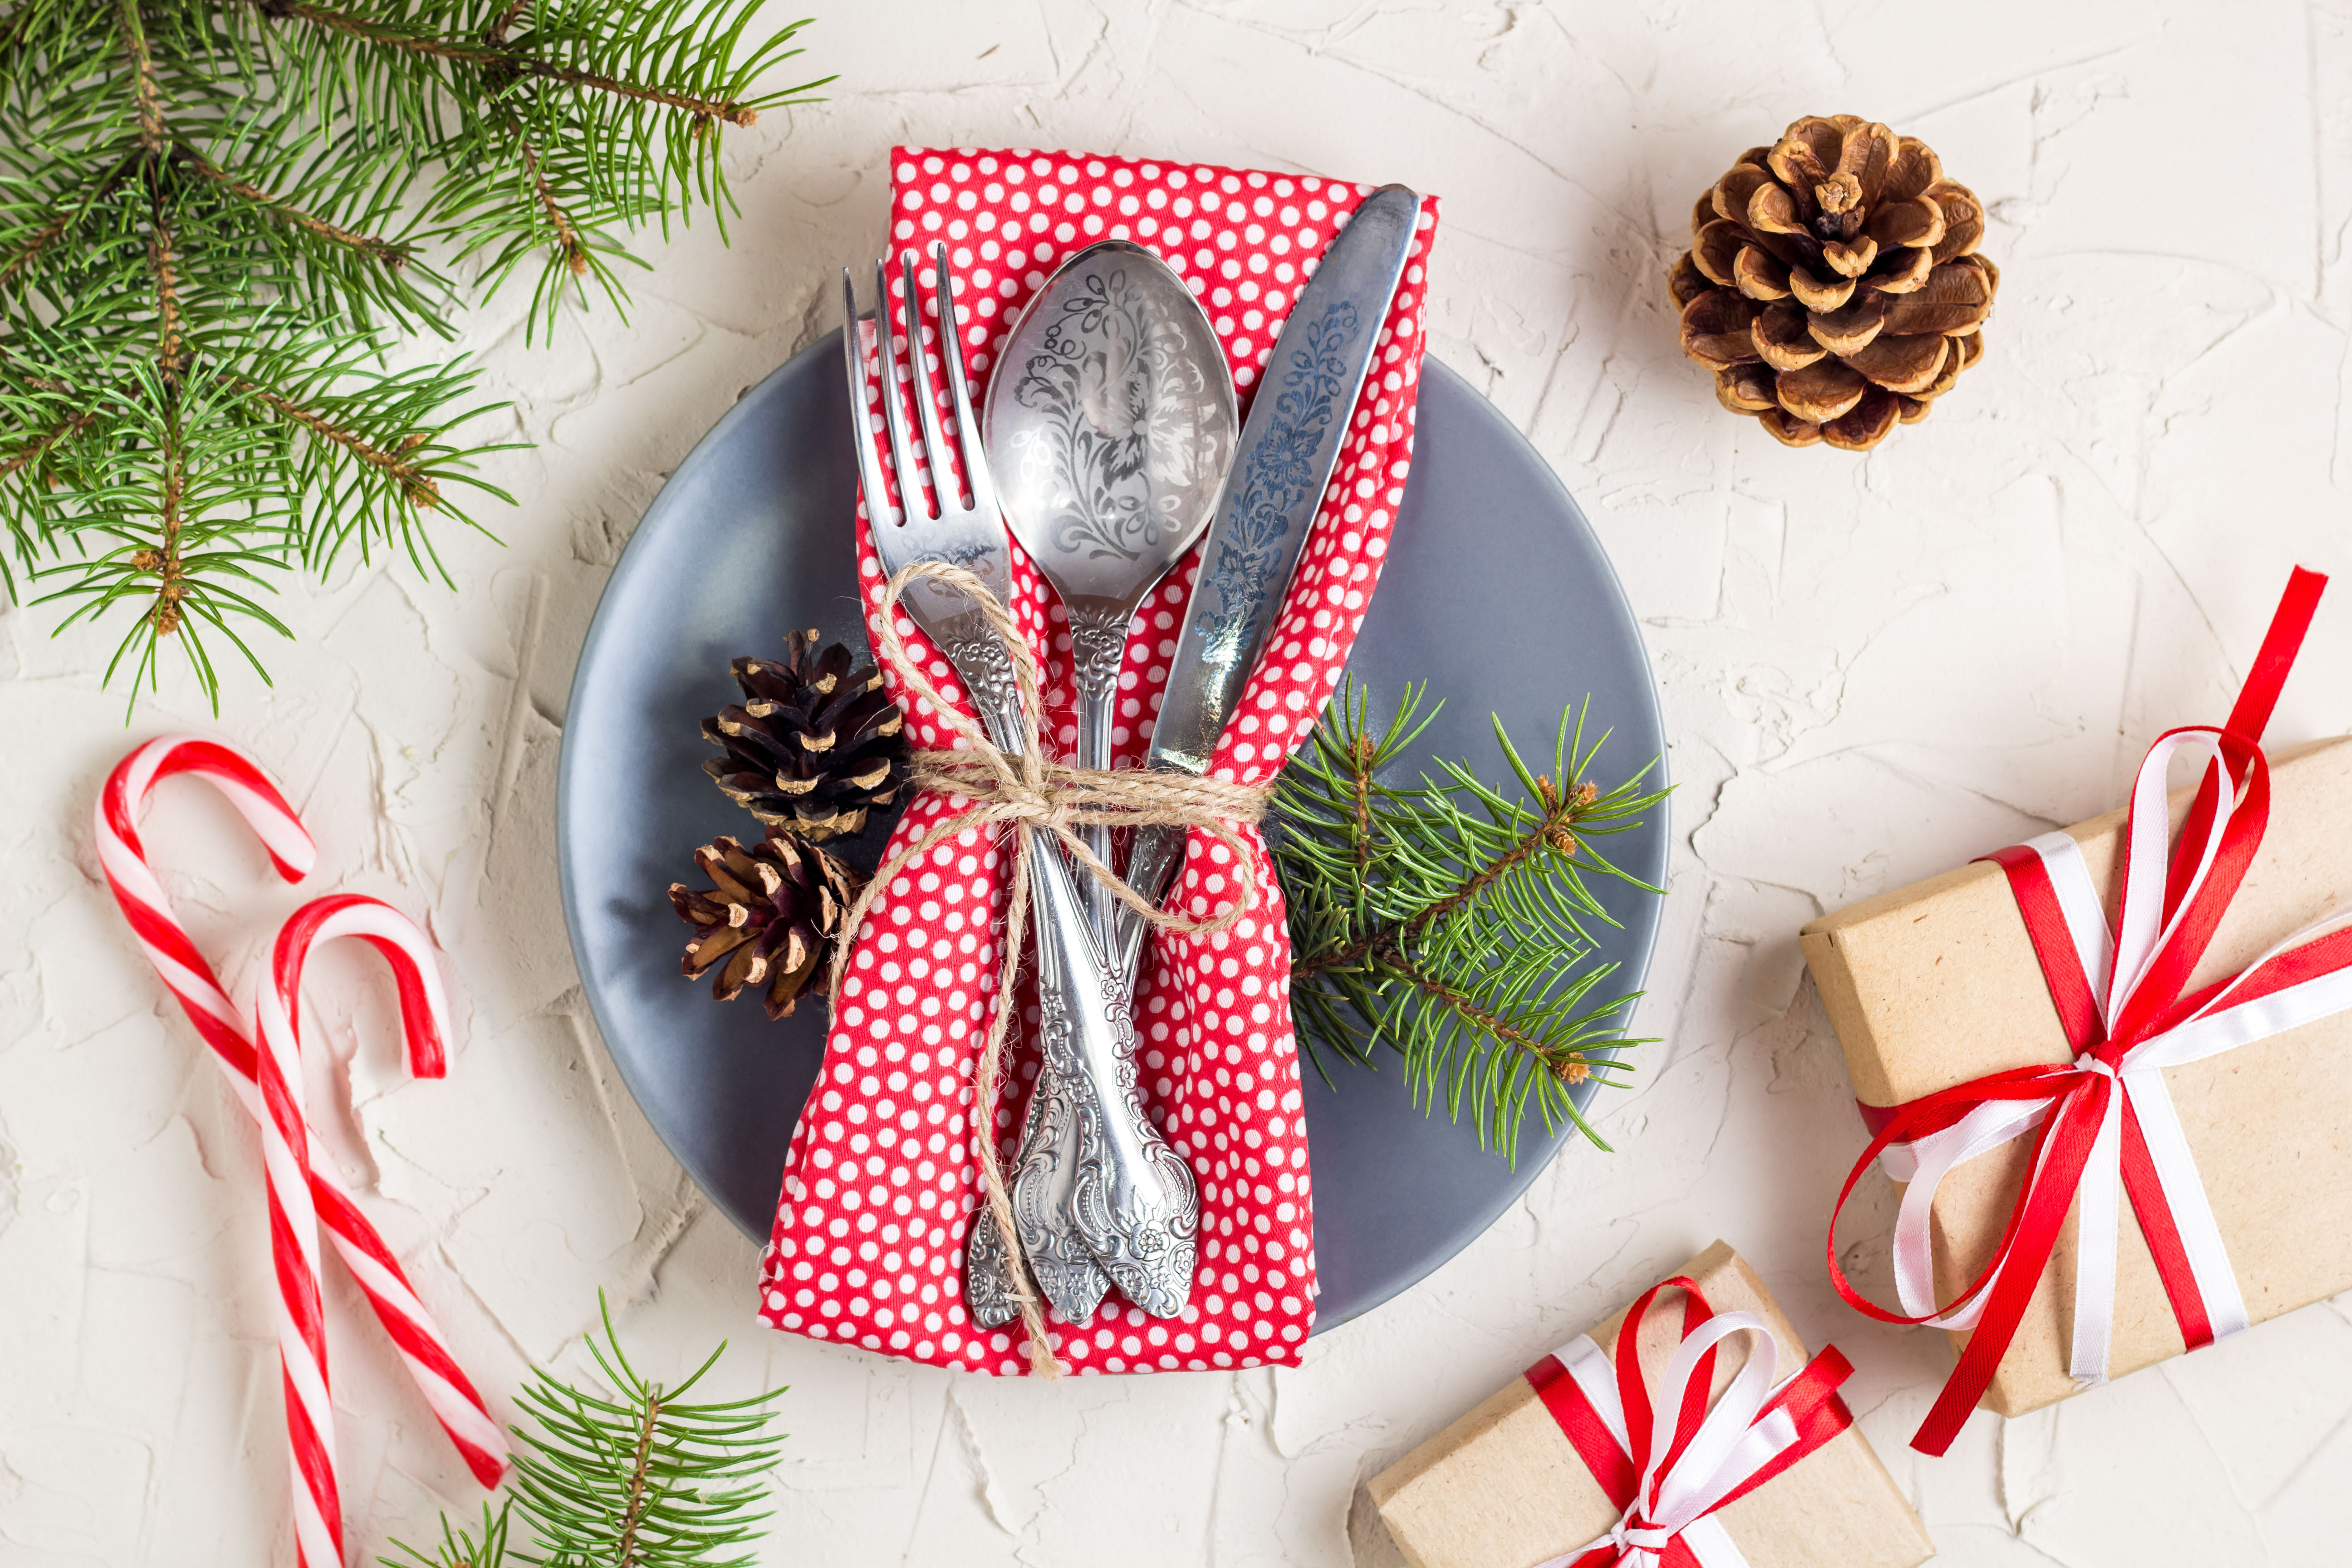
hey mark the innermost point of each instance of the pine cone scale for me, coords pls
(1832, 284)
(1717, 247)
(1866, 423)
(1818, 294)
(1820, 391)
(1783, 338)
(1769, 212)
(1850, 328)
(1908, 274)
(1906, 365)
(1759, 275)
(1716, 328)
(1686, 282)
(1912, 223)
(1963, 225)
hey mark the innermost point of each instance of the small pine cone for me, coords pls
(770, 918)
(1833, 283)
(814, 745)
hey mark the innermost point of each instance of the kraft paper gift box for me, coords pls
(1505, 1488)
(1938, 984)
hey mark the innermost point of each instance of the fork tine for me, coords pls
(869, 466)
(927, 407)
(975, 458)
(902, 450)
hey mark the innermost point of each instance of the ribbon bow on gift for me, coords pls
(1670, 1484)
(2107, 1124)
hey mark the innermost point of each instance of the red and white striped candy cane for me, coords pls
(293, 1218)
(123, 857)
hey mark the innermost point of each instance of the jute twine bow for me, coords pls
(1032, 793)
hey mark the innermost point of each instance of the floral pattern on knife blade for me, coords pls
(1279, 478)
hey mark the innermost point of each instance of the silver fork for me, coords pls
(1133, 1212)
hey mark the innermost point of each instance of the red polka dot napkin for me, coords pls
(881, 1182)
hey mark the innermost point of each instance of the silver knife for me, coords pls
(1289, 447)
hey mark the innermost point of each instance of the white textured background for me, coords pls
(1873, 666)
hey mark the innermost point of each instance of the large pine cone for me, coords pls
(1832, 284)
(814, 746)
(770, 918)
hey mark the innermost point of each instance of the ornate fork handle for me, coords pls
(1066, 1271)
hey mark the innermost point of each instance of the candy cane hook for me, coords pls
(123, 857)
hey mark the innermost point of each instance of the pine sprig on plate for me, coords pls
(1453, 922)
(215, 215)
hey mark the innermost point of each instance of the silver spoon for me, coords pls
(1111, 425)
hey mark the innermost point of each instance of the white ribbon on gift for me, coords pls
(1730, 1446)
(2115, 965)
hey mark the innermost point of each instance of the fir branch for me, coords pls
(461, 1547)
(1452, 923)
(163, 261)
(167, 508)
(638, 1479)
(568, 245)
(1570, 1066)
(164, 561)
(33, 451)
(40, 240)
(495, 34)
(214, 214)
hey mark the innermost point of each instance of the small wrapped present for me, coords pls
(2085, 1017)
(1669, 1446)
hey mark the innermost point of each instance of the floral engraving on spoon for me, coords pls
(1109, 366)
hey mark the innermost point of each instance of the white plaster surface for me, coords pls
(1871, 668)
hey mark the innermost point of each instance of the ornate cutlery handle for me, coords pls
(1043, 1173)
(1128, 1196)
(1097, 1164)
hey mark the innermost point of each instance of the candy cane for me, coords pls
(122, 855)
(293, 1217)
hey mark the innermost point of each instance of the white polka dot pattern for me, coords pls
(881, 1182)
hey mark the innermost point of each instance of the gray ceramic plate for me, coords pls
(1495, 592)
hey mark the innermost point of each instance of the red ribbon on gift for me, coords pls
(1670, 1484)
(2106, 1125)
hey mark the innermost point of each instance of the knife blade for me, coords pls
(1289, 446)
